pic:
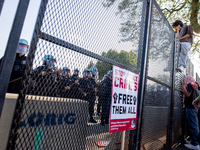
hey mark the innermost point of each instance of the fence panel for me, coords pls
(157, 100)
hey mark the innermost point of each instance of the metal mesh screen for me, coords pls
(158, 92)
(178, 118)
(66, 97)
(197, 78)
(189, 67)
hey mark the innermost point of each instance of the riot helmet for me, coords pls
(110, 73)
(94, 72)
(22, 46)
(50, 61)
(66, 72)
(105, 76)
(86, 73)
(164, 88)
(76, 72)
(158, 87)
(152, 88)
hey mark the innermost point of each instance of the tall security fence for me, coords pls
(65, 98)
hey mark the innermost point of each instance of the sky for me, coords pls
(76, 29)
(93, 28)
(7, 17)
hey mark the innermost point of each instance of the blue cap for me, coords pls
(23, 41)
(66, 68)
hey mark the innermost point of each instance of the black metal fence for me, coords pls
(61, 107)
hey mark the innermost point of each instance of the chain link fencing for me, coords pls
(66, 93)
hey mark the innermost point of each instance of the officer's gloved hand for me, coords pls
(67, 88)
(95, 89)
(43, 73)
(32, 83)
(76, 82)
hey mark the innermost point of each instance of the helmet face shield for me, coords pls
(76, 72)
(88, 74)
(110, 73)
(51, 63)
(66, 73)
(22, 49)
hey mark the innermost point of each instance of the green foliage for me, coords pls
(91, 64)
(124, 57)
(130, 12)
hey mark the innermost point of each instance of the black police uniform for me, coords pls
(87, 85)
(106, 100)
(45, 85)
(17, 72)
(65, 81)
(100, 93)
(74, 92)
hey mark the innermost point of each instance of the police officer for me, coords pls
(65, 83)
(88, 88)
(106, 101)
(45, 78)
(166, 96)
(76, 74)
(158, 96)
(74, 92)
(18, 67)
(150, 96)
(100, 93)
(94, 72)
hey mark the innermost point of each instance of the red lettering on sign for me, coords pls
(121, 83)
(116, 84)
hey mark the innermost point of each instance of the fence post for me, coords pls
(143, 71)
(171, 112)
(11, 48)
(1, 5)
(33, 47)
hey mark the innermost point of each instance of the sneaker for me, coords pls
(92, 120)
(190, 146)
(166, 69)
(186, 141)
(180, 68)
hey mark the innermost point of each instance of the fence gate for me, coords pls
(162, 119)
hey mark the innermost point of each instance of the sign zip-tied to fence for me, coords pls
(124, 100)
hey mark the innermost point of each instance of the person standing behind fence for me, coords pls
(185, 36)
(65, 82)
(100, 95)
(106, 101)
(88, 88)
(15, 84)
(191, 93)
(158, 95)
(74, 92)
(44, 78)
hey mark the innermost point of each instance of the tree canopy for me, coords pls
(124, 57)
(185, 10)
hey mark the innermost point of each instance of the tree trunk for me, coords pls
(194, 16)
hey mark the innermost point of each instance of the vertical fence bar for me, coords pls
(171, 113)
(11, 48)
(1, 5)
(33, 47)
(143, 71)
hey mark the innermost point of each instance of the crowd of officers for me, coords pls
(158, 96)
(48, 80)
